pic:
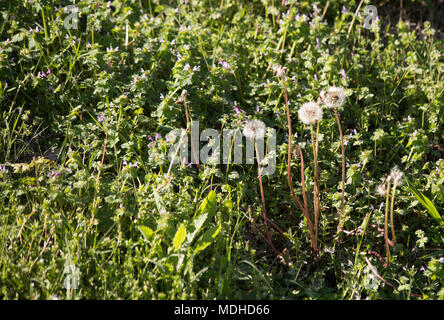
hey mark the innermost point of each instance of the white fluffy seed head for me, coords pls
(334, 97)
(310, 112)
(182, 96)
(381, 190)
(396, 175)
(281, 72)
(254, 129)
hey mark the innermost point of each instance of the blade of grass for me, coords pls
(426, 203)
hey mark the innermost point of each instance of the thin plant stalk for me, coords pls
(339, 230)
(316, 178)
(392, 225)
(193, 147)
(387, 249)
(267, 232)
(317, 169)
(290, 184)
(307, 217)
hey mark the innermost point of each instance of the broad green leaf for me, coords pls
(179, 237)
(146, 231)
(208, 205)
(206, 239)
(197, 225)
(426, 203)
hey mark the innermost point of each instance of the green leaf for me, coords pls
(179, 237)
(197, 225)
(209, 205)
(146, 231)
(206, 239)
(426, 203)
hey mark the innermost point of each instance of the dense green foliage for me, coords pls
(85, 180)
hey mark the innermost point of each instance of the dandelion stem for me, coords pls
(392, 225)
(309, 223)
(290, 184)
(267, 232)
(387, 249)
(339, 230)
(315, 179)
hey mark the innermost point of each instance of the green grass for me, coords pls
(69, 200)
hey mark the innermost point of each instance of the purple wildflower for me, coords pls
(315, 8)
(101, 118)
(224, 64)
(53, 174)
(236, 109)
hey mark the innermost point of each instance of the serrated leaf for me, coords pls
(208, 205)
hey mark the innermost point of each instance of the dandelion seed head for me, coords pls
(182, 96)
(254, 129)
(381, 190)
(334, 97)
(280, 71)
(396, 175)
(310, 112)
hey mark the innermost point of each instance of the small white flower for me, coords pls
(254, 129)
(334, 97)
(310, 112)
